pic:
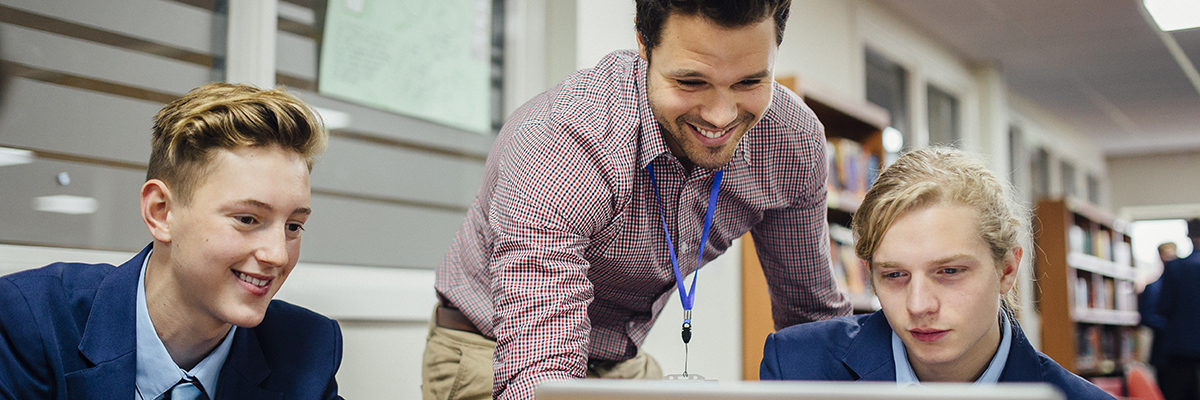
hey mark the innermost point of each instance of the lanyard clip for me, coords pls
(687, 326)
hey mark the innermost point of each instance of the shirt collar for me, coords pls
(156, 371)
(906, 376)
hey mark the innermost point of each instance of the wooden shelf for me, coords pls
(1088, 332)
(1090, 263)
(1105, 317)
(858, 121)
(842, 202)
(841, 234)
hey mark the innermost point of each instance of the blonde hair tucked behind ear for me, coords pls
(225, 116)
(935, 175)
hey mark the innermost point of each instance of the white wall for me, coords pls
(927, 63)
(1062, 142)
(822, 47)
(1155, 180)
(603, 26)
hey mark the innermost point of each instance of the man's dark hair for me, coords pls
(1193, 225)
(652, 14)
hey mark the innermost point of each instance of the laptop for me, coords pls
(608, 389)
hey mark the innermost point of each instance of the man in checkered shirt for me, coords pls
(561, 266)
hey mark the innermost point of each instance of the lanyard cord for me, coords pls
(686, 296)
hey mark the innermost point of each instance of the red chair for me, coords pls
(1140, 383)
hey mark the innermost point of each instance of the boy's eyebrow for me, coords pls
(943, 260)
(258, 204)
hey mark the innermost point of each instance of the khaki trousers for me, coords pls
(458, 365)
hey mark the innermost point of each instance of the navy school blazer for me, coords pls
(67, 331)
(859, 347)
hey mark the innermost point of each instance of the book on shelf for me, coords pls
(858, 281)
(1087, 343)
(851, 275)
(1102, 246)
(831, 172)
(835, 264)
(1075, 238)
(1082, 293)
(1129, 344)
(1126, 296)
(1122, 253)
(1108, 296)
(851, 169)
(1089, 242)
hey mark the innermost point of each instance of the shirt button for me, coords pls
(683, 248)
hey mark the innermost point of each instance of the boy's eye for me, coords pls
(246, 219)
(295, 227)
(750, 82)
(690, 83)
(951, 270)
(892, 275)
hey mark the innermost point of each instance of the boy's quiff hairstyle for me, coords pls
(652, 15)
(227, 116)
(938, 175)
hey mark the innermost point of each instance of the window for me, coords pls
(1039, 169)
(1093, 189)
(1068, 179)
(887, 88)
(943, 118)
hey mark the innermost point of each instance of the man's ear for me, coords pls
(642, 51)
(156, 207)
(1008, 272)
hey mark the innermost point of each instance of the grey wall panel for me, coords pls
(116, 223)
(79, 57)
(357, 167)
(346, 231)
(61, 119)
(178, 24)
(411, 130)
(296, 55)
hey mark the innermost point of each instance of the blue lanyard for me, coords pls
(685, 296)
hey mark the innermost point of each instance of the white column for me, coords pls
(250, 56)
(993, 118)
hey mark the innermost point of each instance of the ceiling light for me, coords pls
(66, 204)
(11, 156)
(1174, 15)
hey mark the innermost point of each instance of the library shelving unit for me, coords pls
(1087, 300)
(854, 151)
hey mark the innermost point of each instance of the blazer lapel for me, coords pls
(869, 354)
(108, 341)
(245, 370)
(1023, 364)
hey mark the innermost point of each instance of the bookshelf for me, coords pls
(854, 151)
(1087, 301)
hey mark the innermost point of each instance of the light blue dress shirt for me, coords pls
(906, 376)
(156, 371)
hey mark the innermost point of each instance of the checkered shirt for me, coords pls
(562, 258)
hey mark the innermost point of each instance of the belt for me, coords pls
(451, 318)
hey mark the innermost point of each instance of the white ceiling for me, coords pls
(1100, 65)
